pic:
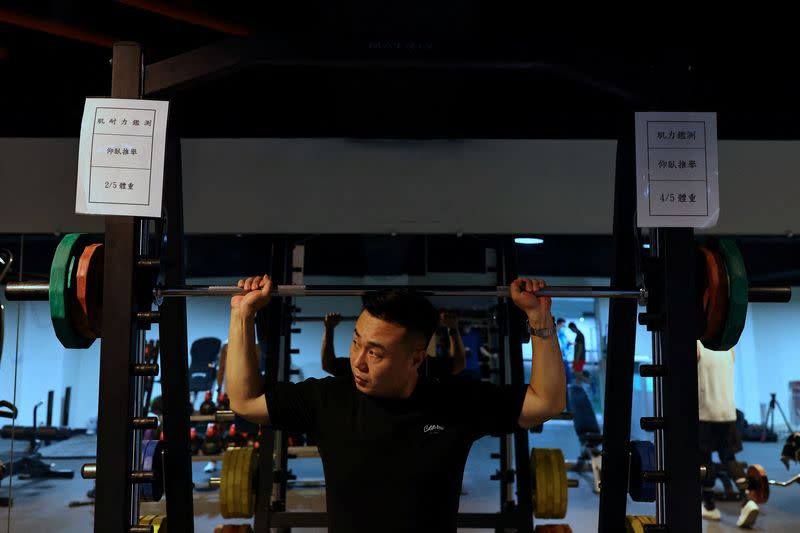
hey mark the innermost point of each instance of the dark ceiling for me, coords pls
(501, 70)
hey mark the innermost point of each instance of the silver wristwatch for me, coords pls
(544, 333)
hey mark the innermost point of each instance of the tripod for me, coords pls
(769, 420)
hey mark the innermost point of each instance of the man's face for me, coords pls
(384, 357)
(560, 325)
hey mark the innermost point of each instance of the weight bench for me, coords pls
(588, 431)
(29, 464)
(203, 369)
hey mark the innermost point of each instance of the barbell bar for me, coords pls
(75, 292)
(40, 291)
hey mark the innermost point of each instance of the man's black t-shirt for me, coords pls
(393, 464)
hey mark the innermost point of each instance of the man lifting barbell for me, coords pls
(394, 445)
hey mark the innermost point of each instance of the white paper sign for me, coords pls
(677, 172)
(121, 158)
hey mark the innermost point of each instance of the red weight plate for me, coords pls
(715, 298)
(757, 484)
(90, 285)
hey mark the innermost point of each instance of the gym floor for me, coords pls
(43, 504)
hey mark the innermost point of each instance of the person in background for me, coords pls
(578, 353)
(564, 343)
(717, 429)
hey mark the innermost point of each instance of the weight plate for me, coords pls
(62, 290)
(537, 483)
(715, 297)
(635, 524)
(152, 451)
(159, 524)
(236, 501)
(643, 458)
(244, 473)
(89, 281)
(757, 484)
(560, 487)
(77, 309)
(225, 487)
(248, 484)
(549, 483)
(737, 292)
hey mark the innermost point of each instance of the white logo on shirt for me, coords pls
(432, 428)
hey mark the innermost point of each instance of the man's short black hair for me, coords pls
(560, 320)
(572, 325)
(404, 308)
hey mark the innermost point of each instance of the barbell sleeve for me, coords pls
(27, 291)
(769, 294)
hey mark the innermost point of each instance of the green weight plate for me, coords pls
(737, 294)
(62, 290)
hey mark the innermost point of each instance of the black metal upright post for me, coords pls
(516, 318)
(174, 353)
(283, 328)
(115, 509)
(621, 347)
(268, 328)
(502, 371)
(676, 249)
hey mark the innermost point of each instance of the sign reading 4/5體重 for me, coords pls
(677, 172)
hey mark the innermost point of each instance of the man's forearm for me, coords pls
(457, 352)
(328, 353)
(242, 375)
(548, 380)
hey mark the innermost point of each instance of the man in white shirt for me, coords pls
(717, 428)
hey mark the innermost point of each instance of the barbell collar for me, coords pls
(145, 369)
(139, 476)
(655, 476)
(89, 471)
(652, 423)
(149, 422)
